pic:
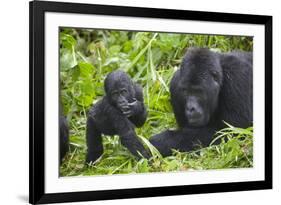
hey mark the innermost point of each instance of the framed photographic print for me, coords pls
(140, 102)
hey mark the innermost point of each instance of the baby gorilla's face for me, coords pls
(120, 97)
(120, 92)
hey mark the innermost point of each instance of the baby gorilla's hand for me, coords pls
(130, 108)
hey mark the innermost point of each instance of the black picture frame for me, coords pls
(37, 192)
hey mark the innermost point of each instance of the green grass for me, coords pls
(235, 151)
(87, 56)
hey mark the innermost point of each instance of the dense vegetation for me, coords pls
(87, 56)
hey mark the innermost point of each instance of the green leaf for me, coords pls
(75, 73)
(67, 41)
(66, 59)
(115, 49)
(86, 69)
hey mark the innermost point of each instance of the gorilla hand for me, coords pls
(131, 108)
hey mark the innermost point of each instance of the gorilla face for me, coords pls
(200, 82)
(119, 90)
(120, 95)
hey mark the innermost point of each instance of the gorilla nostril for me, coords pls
(191, 110)
(193, 113)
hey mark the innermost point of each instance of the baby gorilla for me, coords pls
(117, 113)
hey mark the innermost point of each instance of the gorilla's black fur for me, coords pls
(118, 112)
(209, 88)
(64, 136)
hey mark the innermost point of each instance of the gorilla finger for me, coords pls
(128, 113)
(133, 103)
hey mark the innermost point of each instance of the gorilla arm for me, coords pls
(128, 137)
(94, 141)
(183, 140)
(139, 112)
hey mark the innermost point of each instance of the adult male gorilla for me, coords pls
(117, 113)
(209, 88)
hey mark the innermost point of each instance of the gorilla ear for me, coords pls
(131, 88)
(216, 76)
(218, 73)
(106, 83)
(106, 86)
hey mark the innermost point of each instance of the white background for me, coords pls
(14, 100)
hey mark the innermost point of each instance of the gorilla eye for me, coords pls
(215, 75)
(114, 94)
(124, 92)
